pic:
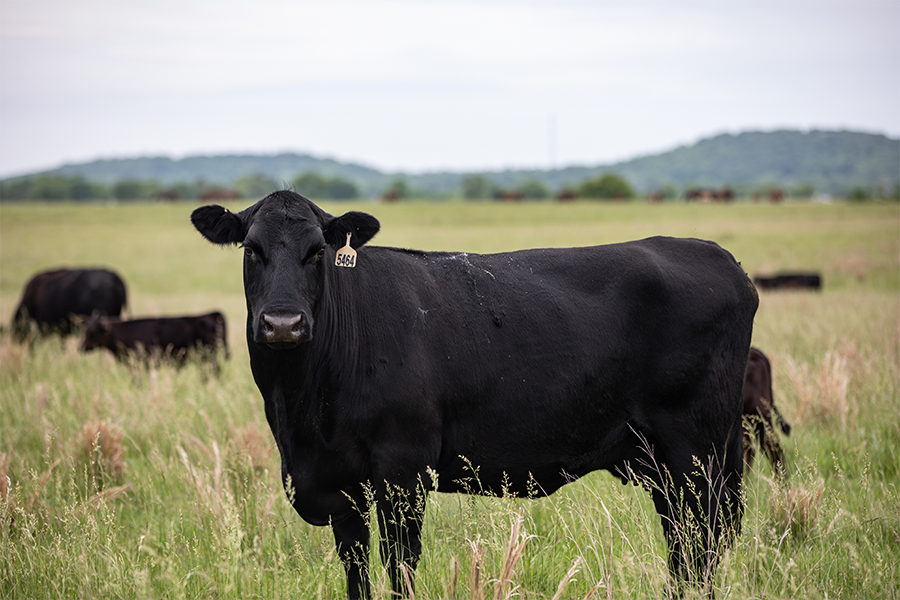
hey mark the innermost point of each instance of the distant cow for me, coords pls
(566, 195)
(54, 300)
(401, 371)
(759, 408)
(174, 337)
(790, 281)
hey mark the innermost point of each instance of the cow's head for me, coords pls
(288, 243)
(97, 334)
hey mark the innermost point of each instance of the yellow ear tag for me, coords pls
(346, 256)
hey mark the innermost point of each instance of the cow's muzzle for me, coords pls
(284, 329)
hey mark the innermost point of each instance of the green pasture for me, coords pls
(118, 480)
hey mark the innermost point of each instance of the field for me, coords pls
(123, 481)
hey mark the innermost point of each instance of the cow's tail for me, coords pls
(784, 425)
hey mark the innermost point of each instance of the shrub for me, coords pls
(606, 187)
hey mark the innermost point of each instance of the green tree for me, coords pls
(398, 189)
(339, 188)
(82, 189)
(20, 189)
(803, 190)
(476, 187)
(129, 189)
(312, 185)
(256, 186)
(606, 187)
(533, 189)
(51, 187)
(859, 194)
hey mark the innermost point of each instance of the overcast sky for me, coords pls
(431, 85)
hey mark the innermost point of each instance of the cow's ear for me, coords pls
(362, 226)
(219, 225)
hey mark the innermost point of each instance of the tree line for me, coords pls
(608, 186)
(57, 187)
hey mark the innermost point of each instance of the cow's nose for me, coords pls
(280, 329)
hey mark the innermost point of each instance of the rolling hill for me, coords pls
(826, 162)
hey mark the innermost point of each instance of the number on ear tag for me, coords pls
(346, 256)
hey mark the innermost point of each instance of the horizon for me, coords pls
(439, 85)
(273, 154)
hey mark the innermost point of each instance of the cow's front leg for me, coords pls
(400, 514)
(351, 536)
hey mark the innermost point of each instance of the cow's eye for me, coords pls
(248, 251)
(320, 253)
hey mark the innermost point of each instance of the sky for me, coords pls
(415, 86)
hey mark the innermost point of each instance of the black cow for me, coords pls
(54, 300)
(759, 407)
(510, 373)
(790, 281)
(175, 337)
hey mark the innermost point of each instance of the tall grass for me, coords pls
(118, 480)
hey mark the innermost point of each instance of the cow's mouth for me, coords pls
(282, 345)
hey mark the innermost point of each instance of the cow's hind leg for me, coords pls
(697, 496)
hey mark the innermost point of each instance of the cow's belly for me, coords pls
(533, 454)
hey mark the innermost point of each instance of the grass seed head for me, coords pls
(101, 444)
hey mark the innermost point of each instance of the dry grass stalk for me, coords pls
(99, 499)
(108, 494)
(796, 508)
(12, 357)
(252, 447)
(41, 396)
(215, 495)
(9, 504)
(504, 589)
(5, 481)
(560, 590)
(454, 578)
(593, 591)
(407, 581)
(854, 264)
(36, 495)
(102, 444)
(824, 398)
(475, 591)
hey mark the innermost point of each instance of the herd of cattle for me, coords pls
(455, 370)
(90, 302)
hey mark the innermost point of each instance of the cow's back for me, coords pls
(51, 298)
(89, 292)
(552, 307)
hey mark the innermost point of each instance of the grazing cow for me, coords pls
(169, 336)
(692, 194)
(54, 300)
(511, 373)
(220, 194)
(566, 195)
(656, 196)
(508, 195)
(790, 281)
(759, 406)
(725, 195)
